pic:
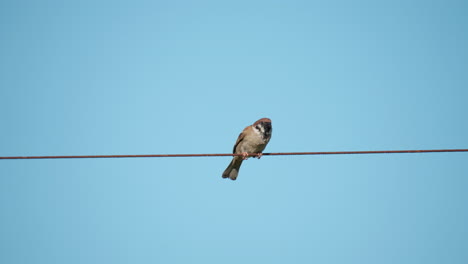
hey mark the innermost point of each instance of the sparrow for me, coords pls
(253, 139)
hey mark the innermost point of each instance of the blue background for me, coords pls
(158, 77)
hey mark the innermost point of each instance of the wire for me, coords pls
(223, 155)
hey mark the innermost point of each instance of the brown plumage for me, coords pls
(253, 139)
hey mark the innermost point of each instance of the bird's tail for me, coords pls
(233, 169)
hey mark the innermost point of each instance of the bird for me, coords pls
(253, 139)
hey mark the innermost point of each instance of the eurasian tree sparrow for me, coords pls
(253, 139)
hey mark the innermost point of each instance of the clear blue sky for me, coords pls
(150, 77)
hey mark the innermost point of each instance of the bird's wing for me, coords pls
(239, 140)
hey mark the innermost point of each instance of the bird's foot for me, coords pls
(259, 155)
(245, 155)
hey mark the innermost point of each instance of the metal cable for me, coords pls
(226, 154)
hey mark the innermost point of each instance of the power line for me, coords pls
(226, 154)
